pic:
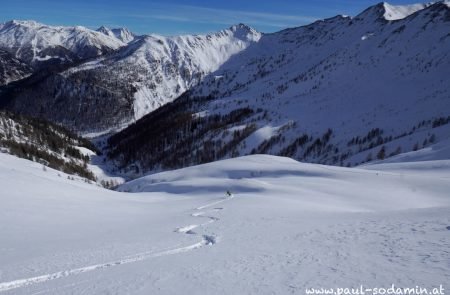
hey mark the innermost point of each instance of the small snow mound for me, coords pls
(367, 36)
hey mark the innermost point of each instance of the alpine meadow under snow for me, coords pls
(288, 226)
(235, 162)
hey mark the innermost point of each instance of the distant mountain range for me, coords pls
(119, 82)
(38, 44)
(336, 91)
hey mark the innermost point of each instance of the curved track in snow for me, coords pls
(207, 240)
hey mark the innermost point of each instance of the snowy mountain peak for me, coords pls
(25, 23)
(389, 12)
(243, 27)
(123, 34)
(373, 12)
(396, 12)
(104, 30)
(445, 4)
(245, 32)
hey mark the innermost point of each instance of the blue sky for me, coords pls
(180, 17)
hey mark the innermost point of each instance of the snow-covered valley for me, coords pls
(287, 226)
(216, 150)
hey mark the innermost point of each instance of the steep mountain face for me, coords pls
(339, 91)
(12, 69)
(40, 45)
(117, 89)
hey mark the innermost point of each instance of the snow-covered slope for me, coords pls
(287, 226)
(335, 92)
(436, 152)
(432, 160)
(288, 179)
(39, 44)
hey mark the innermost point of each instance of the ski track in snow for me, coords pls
(207, 240)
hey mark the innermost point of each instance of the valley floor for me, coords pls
(287, 226)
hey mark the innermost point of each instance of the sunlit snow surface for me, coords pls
(286, 226)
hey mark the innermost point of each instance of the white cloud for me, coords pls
(195, 14)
